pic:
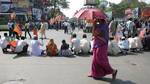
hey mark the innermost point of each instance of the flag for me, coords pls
(17, 29)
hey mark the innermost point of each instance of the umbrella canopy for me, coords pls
(90, 13)
(146, 12)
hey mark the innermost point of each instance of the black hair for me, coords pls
(112, 18)
(17, 37)
(22, 38)
(35, 38)
(130, 19)
(74, 36)
(111, 38)
(5, 34)
(84, 36)
(136, 34)
(63, 41)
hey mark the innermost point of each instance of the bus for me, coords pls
(4, 18)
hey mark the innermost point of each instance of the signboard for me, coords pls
(136, 12)
(145, 12)
(4, 7)
(37, 13)
(91, 2)
(5, 0)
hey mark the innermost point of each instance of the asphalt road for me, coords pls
(132, 69)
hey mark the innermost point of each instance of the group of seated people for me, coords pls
(20, 46)
(10, 44)
(78, 46)
(129, 44)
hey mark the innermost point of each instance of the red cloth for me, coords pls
(13, 43)
(35, 32)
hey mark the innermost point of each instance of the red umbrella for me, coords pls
(90, 13)
(146, 12)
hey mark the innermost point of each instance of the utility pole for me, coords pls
(55, 5)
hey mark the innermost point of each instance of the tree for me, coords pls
(102, 4)
(118, 9)
(57, 4)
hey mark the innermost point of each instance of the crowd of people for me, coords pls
(108, 38)
(130, 35)
(123, 36)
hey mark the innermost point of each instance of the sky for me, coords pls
(75, 5)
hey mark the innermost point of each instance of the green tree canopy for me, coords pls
(118, 9)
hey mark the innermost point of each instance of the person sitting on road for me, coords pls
(132, 45)
(51, 48)
(138, 42)
(22, 47)
(64, 51)
(124, 45)
(146, 40)
(36, 47)
(4, 43)
(113, 48)
(85, 45)
(75, 44)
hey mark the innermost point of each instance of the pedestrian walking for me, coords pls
(43, 30)
(10, 25)
(66, 27)
(100, 63)
(27, 30)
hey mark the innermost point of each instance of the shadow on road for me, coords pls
(117, 81)
(27, 55)
(119, 55)
(84, 55)
(19, 56)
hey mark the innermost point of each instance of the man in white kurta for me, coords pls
(85, 45)
(4, 43)
(75, 44)
(36, 47)
(20, 45)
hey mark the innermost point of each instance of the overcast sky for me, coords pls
(77, 4)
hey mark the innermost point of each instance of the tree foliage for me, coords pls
(118, 9)
(58, 4)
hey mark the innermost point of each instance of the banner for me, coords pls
(91, 2)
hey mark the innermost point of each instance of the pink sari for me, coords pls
(100, 62)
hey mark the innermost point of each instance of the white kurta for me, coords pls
(36, 48)
(132, 43)
(113, 48)
(20, 45)
(138, 42)
(76, 45)
(3, 42)
(123, 44)
(85, 45)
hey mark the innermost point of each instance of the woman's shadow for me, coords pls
(117, 81)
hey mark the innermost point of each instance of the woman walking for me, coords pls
(100, 63)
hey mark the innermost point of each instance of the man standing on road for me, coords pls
(10, 26)
(27, 30)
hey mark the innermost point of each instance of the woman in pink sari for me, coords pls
(100, 63)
